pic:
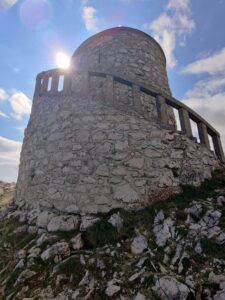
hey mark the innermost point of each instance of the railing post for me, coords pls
(38, 85)
(45, 84)
(218, 147)
(185, 122)
(162, 111)
(136, 96)
(55, 83)
(109, 88)
(203, 135)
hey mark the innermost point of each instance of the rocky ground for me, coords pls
(6, 192)
(171, 250)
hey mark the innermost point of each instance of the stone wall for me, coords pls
(127, 52)
(109, 138)
(97, 155)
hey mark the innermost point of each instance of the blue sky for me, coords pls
(32, 32)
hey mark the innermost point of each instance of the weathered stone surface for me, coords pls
(24, 275)
(63, 223)
(77, 242)
(125, 193)
(116, 221)
(169, 288)
(112, 288)
(7, 191)
(163, 229)
(56, 249)
(137, 163)
(140, 296)
(87, 222)
(44, 218)
(102, 171)
(45, 237)
(139, 244)
(72, 209)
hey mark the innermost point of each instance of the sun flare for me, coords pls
(62, 60)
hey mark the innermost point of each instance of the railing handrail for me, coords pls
(151, 90)
(185, 112)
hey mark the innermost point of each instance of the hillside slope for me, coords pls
(7, 191)
(170, 250)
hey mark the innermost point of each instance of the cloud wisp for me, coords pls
(6, 4)
(9, 158)
(3, 115)
(21, 105)
(3, 95)
(172, 27)
(9, 152)
(89, 15)
(213, 64)
(208, 94)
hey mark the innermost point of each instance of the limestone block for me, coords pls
(44, 218)
(56, 249)
(140, 296)
(102, 200)
(77, 242)
(102, 170)
(120, 171)
(116, 221)
(168, 287)
(139, 244)
(87, 222)
(72, 209)
(125, 193)
(136, 163)
(115, 136)
(24, 275)
(63, 223)
(121, 145)
(32, 216)
(152, 153)
(138, 136)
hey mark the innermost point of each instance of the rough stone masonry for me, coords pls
(108, 138)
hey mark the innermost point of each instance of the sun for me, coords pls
(62, 60)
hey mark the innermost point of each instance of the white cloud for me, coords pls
(212, 109)
(207, 97)
(9, 152)
(213, 64)
(179, 5)
(172, 27)
(21, 105)
(5, 4)
(9, 158)
(207, 87)
(2, 114)
(3, 95)
(90, 19)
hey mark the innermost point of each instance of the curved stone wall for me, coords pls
(108, 138)
(127, 52)
(79, 149)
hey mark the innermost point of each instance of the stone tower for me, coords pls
(107, 137)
